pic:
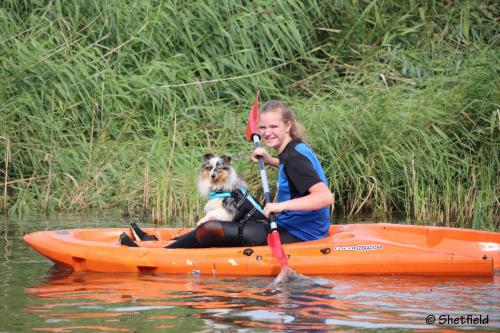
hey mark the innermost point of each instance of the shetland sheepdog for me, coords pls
(218, 177)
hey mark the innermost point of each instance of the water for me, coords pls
(37, 296)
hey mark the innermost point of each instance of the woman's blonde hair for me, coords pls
(297, 130)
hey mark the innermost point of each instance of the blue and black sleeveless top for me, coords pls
(299, 170)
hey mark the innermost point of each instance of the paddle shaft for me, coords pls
(265, 183)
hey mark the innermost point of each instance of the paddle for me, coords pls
(252, 134)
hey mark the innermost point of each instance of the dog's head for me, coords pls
(217, 174)
(216, 169)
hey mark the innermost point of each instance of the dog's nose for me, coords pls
(213, 176)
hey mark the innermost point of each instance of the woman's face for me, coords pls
(274, 131)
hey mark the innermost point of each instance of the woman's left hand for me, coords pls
(277, 207)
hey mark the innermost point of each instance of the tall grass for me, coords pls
(104, 104)
(431, 153)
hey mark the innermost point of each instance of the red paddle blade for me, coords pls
(253, 119)
(274, 241)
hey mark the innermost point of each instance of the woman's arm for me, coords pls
(319, 197)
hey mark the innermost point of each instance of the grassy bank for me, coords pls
(110, 105)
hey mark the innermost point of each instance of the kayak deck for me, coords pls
(368, 249)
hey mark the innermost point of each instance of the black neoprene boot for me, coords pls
(127, 241)
(139, 234)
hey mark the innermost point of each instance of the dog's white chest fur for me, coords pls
(214, 210)
(213, 205)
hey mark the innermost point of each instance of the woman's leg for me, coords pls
(186, 241)
(229, 234)
(288, 238)
(209, 234)
(255, 234)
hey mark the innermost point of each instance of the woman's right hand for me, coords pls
(266, 157)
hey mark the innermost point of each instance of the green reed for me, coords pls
(106, 105)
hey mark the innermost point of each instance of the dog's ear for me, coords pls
(226, 159)
(208, 156)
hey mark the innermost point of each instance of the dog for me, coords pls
(216, 181)
(227, 194)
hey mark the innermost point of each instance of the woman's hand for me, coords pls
(274, 208)
(266, 157)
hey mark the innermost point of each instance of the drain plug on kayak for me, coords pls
(325, 250)
(248, 252)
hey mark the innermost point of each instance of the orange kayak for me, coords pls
(367, 249)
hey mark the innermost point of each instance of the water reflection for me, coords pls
(34, 298)
(125, 302)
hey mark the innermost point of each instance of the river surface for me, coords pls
(39, 297)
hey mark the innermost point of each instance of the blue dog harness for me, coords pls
(247, 208)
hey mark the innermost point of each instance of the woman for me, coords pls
(304, 200)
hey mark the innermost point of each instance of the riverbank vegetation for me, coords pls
(112, 104)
